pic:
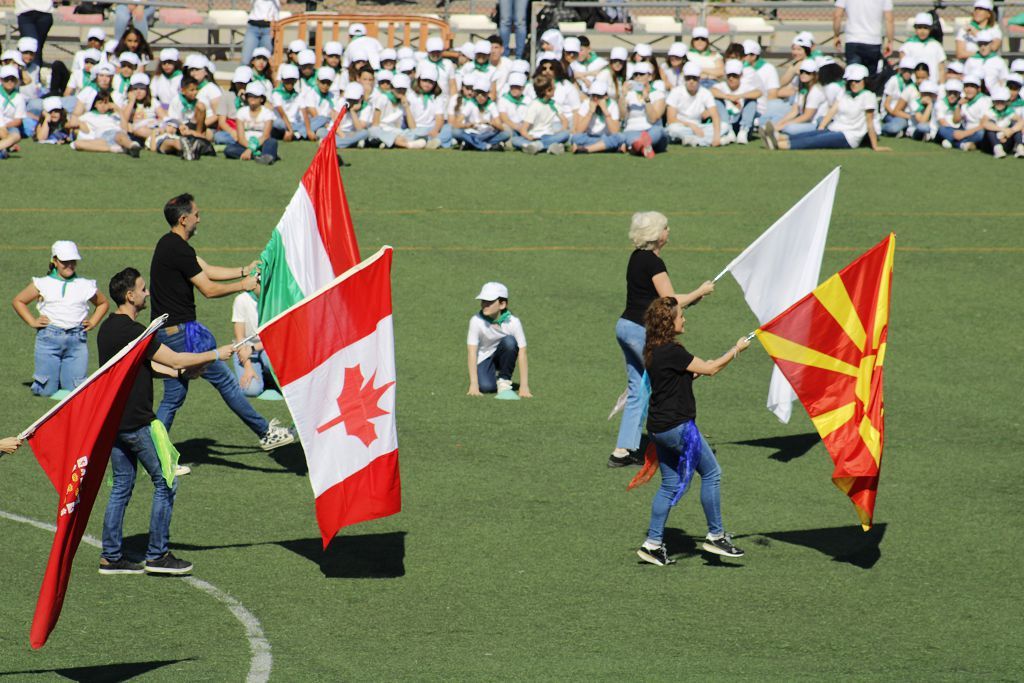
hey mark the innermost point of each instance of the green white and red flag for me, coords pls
(334, 357)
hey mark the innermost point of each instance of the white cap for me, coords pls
(1015, 78)
(15, 57)
(824, 60)
(129, 57)
(520, 66)
(999, 94)
(491, 291)
(400, 82)
(518, 79)
(426, 70)
(405, 52)
(923, 19)
(357, 53)
(983, 4)
(354, 91)
(1017, 66)
(855, 72)
(297, 46)
(65, 250)
(482, 47)
(9, 71)
(599, 87)
(356, 29)
(751, 47)
(255, 88)
(384, 75)
(809, 65)
(907, 62)
(468, 50)
(954, 85)
(643, 68)
(387, 54)
(547, 57)
(405, 65)
(306, 58)
(955, 67)
(985, 35)
(480, 82)
(110, 46)
(326, 73)
(103, 68)
(169, 54)
(28, 44)
(90, 55)
(332, 48)
(699, 32)
(806, 35)
(619, 53)
(572, 44)
(287, 72)
(677, 49)
(929, 86)
(243, 74)
(643, 49)
(52, 104)
(435, 44)
(139, 79)
(195, 61)
(733, 67)
(96, 33)
(972, 79)
(803, 41)
(260, 52)
(691, 69)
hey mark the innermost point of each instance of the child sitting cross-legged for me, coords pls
(100, 130)
(254, 125)
(546, 129)
(496, 344)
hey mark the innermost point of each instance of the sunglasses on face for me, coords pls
(690, 78)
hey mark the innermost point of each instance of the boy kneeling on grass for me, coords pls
(496, 343)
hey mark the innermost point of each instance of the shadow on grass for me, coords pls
(209, 452)
(103, 673)
(849, 544)
(368, 556)
(681, 546)
(786, 448)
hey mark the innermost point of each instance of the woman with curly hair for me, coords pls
(671, 422)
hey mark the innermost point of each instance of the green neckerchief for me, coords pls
(705, 53)
(1008, 111)
(311, 81)
(205, 82)
(915, 39)
(253, 295)
(758, 63)
(89, 82)
(123, 85)
(901, 84)
(921, 106)
(518, 101)
(816, 53)
(977, 25)
(1017, 103)
(427, 96)
(258, 77)
(804, 90)
(589, 59)
(482, 68)
(550, 103)
(187, 106)
(174, 74)
(392, 97)
(285, 94)
(238, 101)
(501, 318)
(483, 106)
(855, 95)
(326, 97)
(56, 276)
(9, 97)
(990, 55)
(975, 98)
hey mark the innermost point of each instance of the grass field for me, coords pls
(513, 556)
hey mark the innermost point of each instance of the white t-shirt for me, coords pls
(98, 124)
(65, 302)
(769, 76)
(425, 108)
(815, 101)
(542, 118)
(708, 60)
(181, 111)
(21, 6)
(486, 336)
(252, 123)
(479, 120)
(636, 109)
(991, 69)
(850, 119)
(392, 114)
(515, 110)
(12, 107)
(567, 98)
(290, 103)
(165, 89)
(944, 112)
(928, 51)
(1004, 119)
(864, 20)
(365, 115)
(911, 96)
(323, 104)
(598, 125)
(975, 110)
(372, 47)
(265, 10)
(832, 93)
(690, 107)
(243, 310)
(208, 94)
(971, 43)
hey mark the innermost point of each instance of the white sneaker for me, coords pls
(556, 149)
(504, 385)
(742, 137)
(417, 144)
(968, 146)
(276, 436)
(946, 144)
(433, 144)
(998, 152)
(182, 470)
(532, 148)
(728, 138)
(1018, 151)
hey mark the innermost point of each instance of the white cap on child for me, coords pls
(288, 72)
(435, 44)
(599, 87)
(517, 80)
(644, 68)
(169, 54)
(691, 69)
(972, 79)
(733, 67)
(52, 104)
(572, 44)
(677, 49)
(809, 65)
(405, 65)
(332, 48)
(297, 46)
(482, 47)
(195, 61)
(999, 94)
(306, 58)
(954, 85)
(129, 57)
(388, 55)
(923, 19)
(983, 4)
(929, 86)
(9, 71)
(65, 250)
(955, 67)
(96, 34)
(855, 72)
(90, 55)
(356, 29)
(619, 54)
(803, 41)
(426, 71)
(326, 73)
(699, 32)
(643, 49)
(1017, 66)
(1016, 79)
(491, 291)
(985, 35)
(260, 52)
(255, 88)
(139, 79)
(110, 46)
(405, 52)
(751, 47)
(28, 44)
(15, 56)
(243, 74)
(400, 82)
(520, 66)
(103, 68)
(354, 91)
(385, 76)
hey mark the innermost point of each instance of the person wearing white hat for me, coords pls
(769, 105)
(989, 66)
(848, 121)
(496, 344)
(286, 103)
(692, 116)
(712, 65)
(261, 69)
(501, 64)
(101, 77)
(481, 64)
(478, 126)
(551, 41)
(546, 128)
(294, 48)
(12, 108)
(142, 113)
(101, 129)
(615, 74)
(53, 126)
(567, 95)
(127, 64)
(809, 105)
(35, 19)
(598, 123)
(642, 104)
(983, 18)
(894, 119)
(949, 112)
(363, 43)
(974, 106)
(1014, 82)
(642, 52)
(306, 61)
(588, 66)
(862, 39)
(62, 298)
(445, 68)
(736, 97)
(354, 128)
(167, 80)
(198, 67)
(923, 124)
(672, 69)
(425, 117)
(923, 48)
(229, 104)
(318, 104)
(254, 136)
(513, 18)
(512, 105)
(1003, 125)
(389, 114)
(262, 14)
(388, 61)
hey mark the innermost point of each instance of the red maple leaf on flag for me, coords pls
(357, 405)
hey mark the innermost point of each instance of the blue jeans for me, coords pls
(262, 379)
(319, 126)
(62, 359)
(974, 137)
(919, 131)
(800, 128)
(631, 339)
(222, 137)
(35, 24)
(894, 125)
(480, 141)
(500, 365)
(220, 376)
(819, 139)
(235, 150)
(992, 141)
(255, 36)
(866, 54)
(123, 14)
(776, 110)
(669, 445)
(659, 141)
(513, 12)
(562, 136)
(742, 120)
(130, 448)
(612, 141)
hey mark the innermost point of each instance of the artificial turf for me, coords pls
(513, 557)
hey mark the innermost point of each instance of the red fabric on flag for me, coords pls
(73, 446)
(333, 218)
(372, 492)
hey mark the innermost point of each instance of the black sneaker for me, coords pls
(122, 566)
(134, 150)
(168, 564)
(658, 556)
(722, 546)
(621, 461)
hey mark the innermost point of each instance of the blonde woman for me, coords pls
(646, 280)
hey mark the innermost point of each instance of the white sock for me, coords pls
(651, 545)
(714, 537)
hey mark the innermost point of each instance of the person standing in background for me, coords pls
(863, 35)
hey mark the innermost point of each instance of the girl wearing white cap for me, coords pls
(100, 78)
(260, 65)
(368, 45)
(53, 126)
(983, 18)
(974, 105)
(615, 74)
(355, 126)
(262, 13)
(894, 120)
(986, 64)
(642, 52)
(496, 343)
(922, 117)
(598, 123)
(198, 67)
(425, 109)
(445, 68)
(228, 106)
(692, 117)
(12, 109)
(948, 112)
(389, 115)
(168, 79)
(712, 66)
(479, 127)
(512, 105)
(141, 114)
(101, 129)
(62, 298)
(551, 41)
(319, 104)
(799, 51)
(921, 47)
(643, 105)
(293, 50)
(285, 102)
(736, 97)
(845, 125)
(254, 130)
(567, 95)
(672, 72)
(94, 40)
(1003, 126)
(810, 103)
(128, 63)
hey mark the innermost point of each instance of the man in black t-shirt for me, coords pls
(135, 442)
(175, 272)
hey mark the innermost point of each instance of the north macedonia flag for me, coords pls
(830, 345)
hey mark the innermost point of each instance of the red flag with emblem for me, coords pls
(831, 345)
(72, 443)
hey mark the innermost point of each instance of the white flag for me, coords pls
(782, 266)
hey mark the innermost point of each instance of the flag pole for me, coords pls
(245, 341)
(751, 335)
(719, 276)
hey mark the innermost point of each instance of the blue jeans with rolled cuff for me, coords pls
(741, 120)
(499, 365)
(480, 141)
(819, 139)
(659, 141)
(61, 359)
(562, 136)
(235, 150)
(894, 125)
(669, 445)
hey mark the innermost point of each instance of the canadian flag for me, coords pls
(334, 356)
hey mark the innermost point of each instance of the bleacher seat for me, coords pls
(473, 23)
(228, 18)
(180, 16)
(572, 28)
(67, 13)
(658, 24)
(715, 25)
(750, 26)
(605, 27)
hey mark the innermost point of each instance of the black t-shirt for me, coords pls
(117, 332)
(644, 264)
(170, 274)
(672, 401)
